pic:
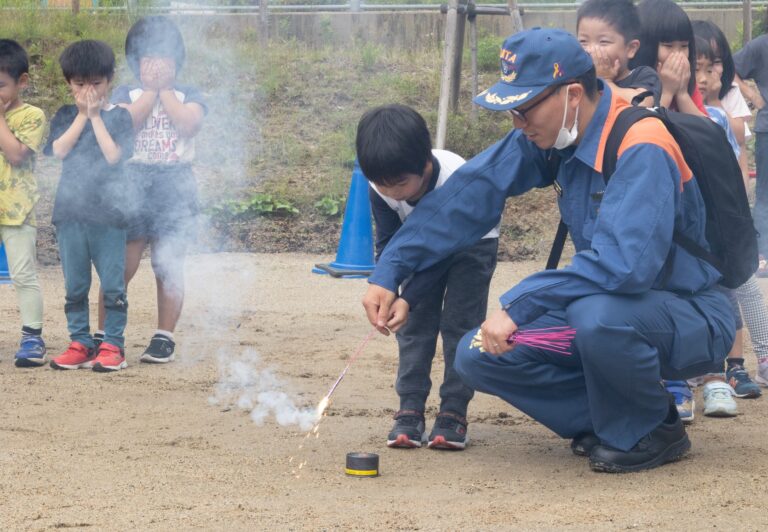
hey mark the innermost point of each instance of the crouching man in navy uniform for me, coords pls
(643, 308)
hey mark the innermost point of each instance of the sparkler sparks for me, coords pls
(325, 402)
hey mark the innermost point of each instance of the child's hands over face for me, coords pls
(93, 103)
(148, 73)
(605, 67)
(675, 73)
(81, 101)
(166, 73)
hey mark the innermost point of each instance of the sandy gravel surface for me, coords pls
(147, 448)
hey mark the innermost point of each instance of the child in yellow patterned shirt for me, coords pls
(22, 128)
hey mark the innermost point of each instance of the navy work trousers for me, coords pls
(610, 384)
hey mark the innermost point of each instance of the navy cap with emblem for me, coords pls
(531, 61)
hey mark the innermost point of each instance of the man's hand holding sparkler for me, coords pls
(496, 330)
(378, 307)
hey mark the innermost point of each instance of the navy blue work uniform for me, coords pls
(643, 308)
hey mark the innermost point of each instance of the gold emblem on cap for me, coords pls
(495, 99)
(509, 78)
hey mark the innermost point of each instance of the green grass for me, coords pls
(282, 117)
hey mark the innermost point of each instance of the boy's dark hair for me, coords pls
(13, 59)
(87, 59)
(720, 47)
(621, 14)
(392, 140)
(663, 21)
(703, 49)
(154, 36)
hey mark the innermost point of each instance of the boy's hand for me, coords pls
(495, 331)
(605, 67)
(399, 312)
(377, 302)
(148, 73)
(81, 101)
(166, 73)
(93, 103)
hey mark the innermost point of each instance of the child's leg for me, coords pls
(22, 262)
(465, 305)
(108, 249)
(755, 315)
(134, 249)
(76, 264)
(417, 341)
(168, 253)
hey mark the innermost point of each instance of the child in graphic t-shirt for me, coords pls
(167, 115)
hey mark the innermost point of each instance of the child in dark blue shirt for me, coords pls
(92, 138)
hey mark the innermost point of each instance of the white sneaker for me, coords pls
(718, 400)
(762, 374)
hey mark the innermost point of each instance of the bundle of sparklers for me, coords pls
(555, 339)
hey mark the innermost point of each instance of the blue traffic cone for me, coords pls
(354, 256)
(5, 274)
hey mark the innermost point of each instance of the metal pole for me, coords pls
(473, 60)
(517, 18)
(746, 7)
(263, 22)
(458, 53)
(445, 81)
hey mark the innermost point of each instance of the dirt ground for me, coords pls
(146, 448)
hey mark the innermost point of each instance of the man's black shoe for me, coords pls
(583, 444)
(666, 443)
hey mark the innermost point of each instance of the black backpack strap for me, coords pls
(553, 164)
(642, 96)
(624, 121)
(557, 246)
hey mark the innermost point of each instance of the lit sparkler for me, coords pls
(322, 406)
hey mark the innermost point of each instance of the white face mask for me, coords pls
(566, 137)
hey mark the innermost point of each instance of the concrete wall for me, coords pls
(414, 29)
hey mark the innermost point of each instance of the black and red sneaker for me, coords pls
(408, 430)
(449, 432)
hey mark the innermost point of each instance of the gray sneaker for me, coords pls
(408, 430)
(449, 432)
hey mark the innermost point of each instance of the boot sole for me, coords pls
(84, 365)
(672, 453)
(403, 442)
(149, 359)
(30, 362)
(440, 443)
(106, 369)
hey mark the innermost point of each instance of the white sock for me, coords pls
(167, 334)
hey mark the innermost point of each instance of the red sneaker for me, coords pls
(110, 358)
(75, 357)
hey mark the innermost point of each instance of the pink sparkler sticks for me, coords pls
(555, 339)
(350, 362)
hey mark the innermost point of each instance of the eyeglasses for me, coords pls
(520, 113)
